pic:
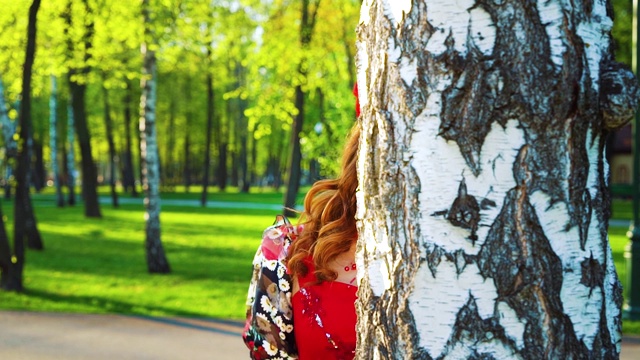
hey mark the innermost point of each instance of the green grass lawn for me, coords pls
(98, 265)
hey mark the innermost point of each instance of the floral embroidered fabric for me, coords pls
(268, 331)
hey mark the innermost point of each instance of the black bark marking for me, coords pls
(485, 204)
(470, 328)
(619, 95)
(465, 211)
(415, 27)
(584, 212)
(527, 273)
(434, 256)
(468, 107)
(414, 352)
(461, 260)
(592, 273)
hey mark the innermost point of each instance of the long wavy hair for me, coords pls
(328, 218)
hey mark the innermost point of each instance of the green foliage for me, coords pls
(260, 38)
(622, 32)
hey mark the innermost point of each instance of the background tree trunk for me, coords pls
(108, 123)
(8, 129)
(308, 20)
(483, 201)
(207, 146)
(78, 89)
(128, 178)
(24, 226)
(243, 129)
(70, 158)
(10, 145)
(53, 140)
(156, 259)
(6, 266)
(38, 172)
(170, 162)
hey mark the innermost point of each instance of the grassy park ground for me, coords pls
(98, 265)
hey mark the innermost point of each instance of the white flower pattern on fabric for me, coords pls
(271, 349)
(266, 304)
(274, 234)
(271, 264)
(284, 285)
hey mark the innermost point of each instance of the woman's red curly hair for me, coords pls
(329, 218)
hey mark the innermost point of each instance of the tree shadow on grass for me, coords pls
(100, 255)
(107, 305)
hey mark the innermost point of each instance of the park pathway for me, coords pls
(52, 336)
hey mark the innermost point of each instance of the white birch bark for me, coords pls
(156, 260)
(482, 197)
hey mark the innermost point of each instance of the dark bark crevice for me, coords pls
(528, 283)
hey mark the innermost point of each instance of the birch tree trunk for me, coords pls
(53, 140)
(187, 137)
(483, 200)
(156, 259)
(210, 115)
(10, 145)
(71, 154)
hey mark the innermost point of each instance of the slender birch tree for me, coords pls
(70, 159)
(53, 140)
(156, 259)
(209, 125)
(483, 200)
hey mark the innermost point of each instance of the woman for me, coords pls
(314, 293)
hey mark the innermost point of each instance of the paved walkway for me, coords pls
(50, 336)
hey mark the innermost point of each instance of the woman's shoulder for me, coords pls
(277, 238)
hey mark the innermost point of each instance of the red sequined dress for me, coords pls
(324, 318)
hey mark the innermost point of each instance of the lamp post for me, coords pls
(632, 250)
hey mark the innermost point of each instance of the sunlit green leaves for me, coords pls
(258, 38)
